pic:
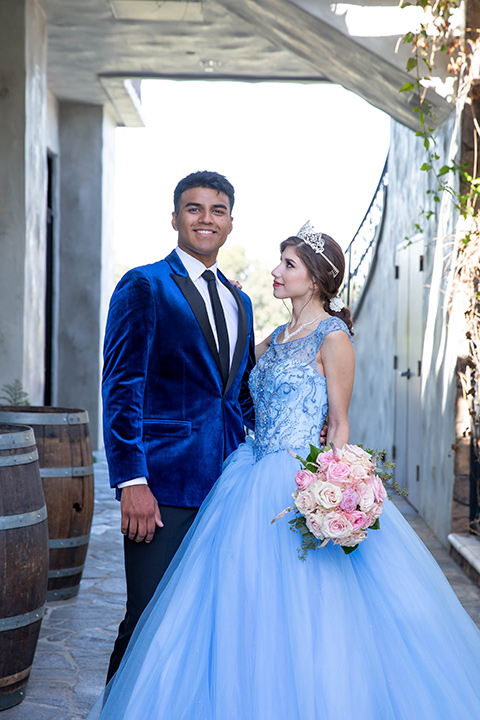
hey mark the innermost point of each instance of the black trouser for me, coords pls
(145, 564)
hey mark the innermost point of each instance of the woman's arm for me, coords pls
(262, 347)
(336, 360)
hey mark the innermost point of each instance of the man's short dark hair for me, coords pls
(207, 179)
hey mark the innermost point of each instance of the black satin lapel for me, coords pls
(197, 305)
(241, 337)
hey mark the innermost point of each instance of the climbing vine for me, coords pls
(438, 41)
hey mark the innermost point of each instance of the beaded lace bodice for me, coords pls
(289, 393)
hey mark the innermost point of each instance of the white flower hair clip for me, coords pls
(336, 304)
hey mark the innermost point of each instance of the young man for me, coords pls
(179, 347)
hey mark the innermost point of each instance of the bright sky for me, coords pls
(293, 153)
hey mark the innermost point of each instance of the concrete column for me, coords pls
(22, 194)
(86, 254)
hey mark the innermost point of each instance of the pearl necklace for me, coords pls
(287, 335)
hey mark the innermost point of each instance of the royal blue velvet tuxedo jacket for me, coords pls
(167, 415)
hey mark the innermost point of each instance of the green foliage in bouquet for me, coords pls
(298, 524)
(384, 470)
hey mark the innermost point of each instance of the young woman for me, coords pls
(240, 628)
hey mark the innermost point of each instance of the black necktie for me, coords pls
(220, 324)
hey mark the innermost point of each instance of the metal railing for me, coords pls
(361, 253)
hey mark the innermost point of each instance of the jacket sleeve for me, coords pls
(245, 399)
(128, 338)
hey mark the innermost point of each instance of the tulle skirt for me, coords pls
(241, 629)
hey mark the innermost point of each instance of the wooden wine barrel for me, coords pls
(23, 559)
(66, 467)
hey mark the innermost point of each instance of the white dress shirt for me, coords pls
(195, 268)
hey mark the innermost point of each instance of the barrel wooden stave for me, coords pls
(63, 444)
(23, 559)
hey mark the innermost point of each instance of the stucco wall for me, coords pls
(107, 278)
(36, 191)
(86, 141)
(52, 129)
(373, 405)
(22, 194)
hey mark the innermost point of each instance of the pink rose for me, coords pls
(304, 501)
(379, 491)
(336, 525)
(326, 494)
(359, 520)
(314, 524)
(325, 458)
(349, 500)
(305, 478)
(354, 453)
(337, 473)
(367, 498)
(374, 514)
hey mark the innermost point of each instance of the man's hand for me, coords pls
(140, 513)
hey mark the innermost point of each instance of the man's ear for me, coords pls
(174, 220)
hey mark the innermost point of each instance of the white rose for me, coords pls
(327, 495)
(304, 501)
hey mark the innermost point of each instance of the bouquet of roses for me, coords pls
(339, 497)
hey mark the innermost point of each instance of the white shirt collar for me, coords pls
(193, 266)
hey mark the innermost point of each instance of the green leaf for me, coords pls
(407, 87)
(411, 64)
(426, 167)
(313, 454)
(348, 550)
(376, 525)
(443, 170)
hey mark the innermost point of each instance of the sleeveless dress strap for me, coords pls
(327, 326)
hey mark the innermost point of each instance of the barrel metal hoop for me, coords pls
(18, 621)
(16, 677)
(56, 543)
(10, 522)
(65, 572)
(26, 418)
(79, 471)
(17, 440)
(24, 459)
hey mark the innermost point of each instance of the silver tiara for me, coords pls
(316, 242)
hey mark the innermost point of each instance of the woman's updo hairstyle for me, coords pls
(320, 271)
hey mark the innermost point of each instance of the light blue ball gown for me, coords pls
(241, 629)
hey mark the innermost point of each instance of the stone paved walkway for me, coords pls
(77, 635)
